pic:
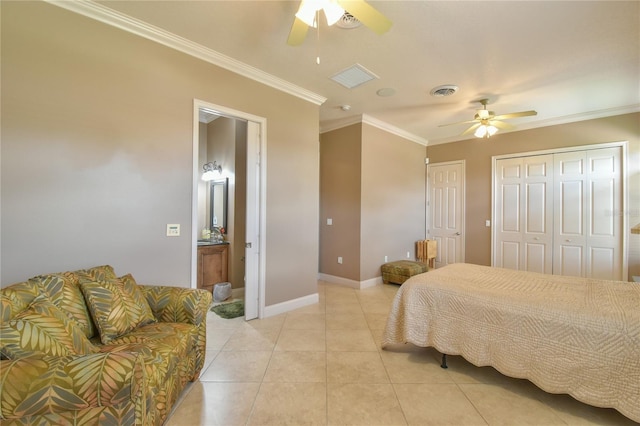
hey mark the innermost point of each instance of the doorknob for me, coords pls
(457, 233)
(247, 245)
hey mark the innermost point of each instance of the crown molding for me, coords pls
(140, 28)
(367, 119)
(393, 129)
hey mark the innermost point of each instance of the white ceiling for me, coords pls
(569, 60)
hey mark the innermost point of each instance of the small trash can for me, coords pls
(221, 292)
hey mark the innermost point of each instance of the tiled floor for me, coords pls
(322, 365)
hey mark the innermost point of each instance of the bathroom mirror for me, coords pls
(218, 207)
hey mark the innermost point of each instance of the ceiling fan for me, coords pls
(309, 13)
(487, 124)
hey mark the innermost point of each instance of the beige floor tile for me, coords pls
(436, 404)
(414, 365)
(506, 405)
(350, 340)
(217, 337)
(305, 321)
(376, 307)
(376, 321)
(290, 404)
(355, 367)
(212, 404)
(363, 404)
(243, 366)
(296, 367)
(352, 306)
(346, 321)
(252, 339)
(274, 322)
(301, 340)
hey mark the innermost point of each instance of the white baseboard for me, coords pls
(359, 285)
(290, 305)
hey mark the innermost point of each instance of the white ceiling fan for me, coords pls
(309, 13)
(487, 124)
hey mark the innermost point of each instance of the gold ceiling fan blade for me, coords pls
(501, 125)
(298, 32)
(514, 115)
(367, 14)
(471, 129)
(459, 122)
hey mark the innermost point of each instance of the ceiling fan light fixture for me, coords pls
(485, 131)
(307, 12)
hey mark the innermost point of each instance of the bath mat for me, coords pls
(230, 310)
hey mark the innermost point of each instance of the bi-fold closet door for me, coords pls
(558, 213)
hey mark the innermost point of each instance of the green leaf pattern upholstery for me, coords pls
(134, 380)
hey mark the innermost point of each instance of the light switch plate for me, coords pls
(173, 229)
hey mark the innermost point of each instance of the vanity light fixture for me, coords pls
(210, 170)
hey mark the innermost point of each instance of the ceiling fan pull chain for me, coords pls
(318, 37)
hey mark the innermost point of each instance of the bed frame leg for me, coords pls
(444, 361)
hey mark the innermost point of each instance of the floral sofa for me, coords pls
(88, 347)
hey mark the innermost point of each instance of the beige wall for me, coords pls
(340, 188)
(373, 187)
(478, 153)
(97, 129)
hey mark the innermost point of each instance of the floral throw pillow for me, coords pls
(43, 329)
(117, 306)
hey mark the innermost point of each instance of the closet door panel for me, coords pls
(604, 230)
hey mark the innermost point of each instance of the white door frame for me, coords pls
(260, 201)
(463, 211)
(624, 148)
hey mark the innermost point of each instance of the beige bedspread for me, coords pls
(567, 335)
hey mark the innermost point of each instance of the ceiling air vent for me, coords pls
(354, 76)
(348, 21)
(445, 90)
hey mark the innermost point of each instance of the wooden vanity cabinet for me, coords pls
(212, 265)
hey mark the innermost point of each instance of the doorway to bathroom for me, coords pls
(228, 204)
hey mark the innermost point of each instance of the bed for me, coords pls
(565, 334)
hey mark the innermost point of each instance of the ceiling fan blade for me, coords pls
(501, 125)
(366, 14)
(459, 122)
(298, 32)
(514, 115)
(471, 129)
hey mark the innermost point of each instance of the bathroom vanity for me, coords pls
(212, 264)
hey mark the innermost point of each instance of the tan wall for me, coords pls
(97, 145)
(372, 184)
(393, 199)
(340, 169)
(478, 153)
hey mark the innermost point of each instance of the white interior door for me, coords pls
(523, 213)
(446, 211)
(252, 245)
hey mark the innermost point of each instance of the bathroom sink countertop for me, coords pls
(211, 242)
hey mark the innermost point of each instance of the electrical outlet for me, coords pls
(173, 229)
(408, 255)
(386, 259)
(340, 260)
(329, 221)
(487, 223)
